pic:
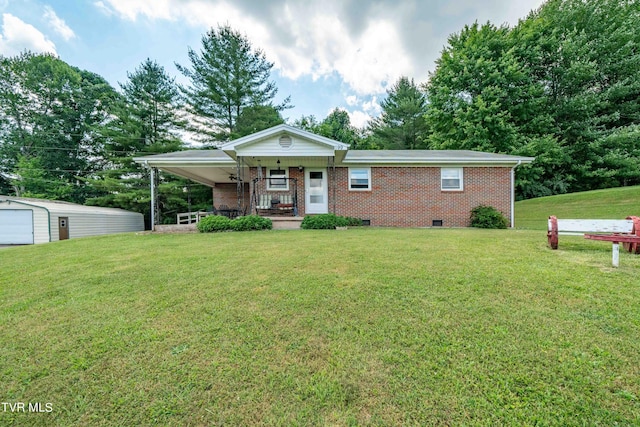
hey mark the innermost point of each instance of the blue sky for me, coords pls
(326, 54)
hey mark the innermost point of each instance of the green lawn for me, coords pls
(358, 327)
(614, 203)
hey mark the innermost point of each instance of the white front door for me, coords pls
(316, 193)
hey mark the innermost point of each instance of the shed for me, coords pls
(26, 221)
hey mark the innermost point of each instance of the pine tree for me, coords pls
(402, 124)
(227, 75)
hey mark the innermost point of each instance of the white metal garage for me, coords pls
(28, 221)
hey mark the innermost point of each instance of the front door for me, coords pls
(315, 191)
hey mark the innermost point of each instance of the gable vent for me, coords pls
(285, 141)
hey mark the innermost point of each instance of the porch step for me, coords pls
(286, 222)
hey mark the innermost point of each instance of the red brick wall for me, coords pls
(411, 196)
(227, 194)
(407, 196)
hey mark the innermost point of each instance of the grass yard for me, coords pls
(613, 203)
(358, 327)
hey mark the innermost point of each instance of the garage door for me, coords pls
(16, 227)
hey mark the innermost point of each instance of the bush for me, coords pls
(353, 222)
(488, 217)
(323, 222)
(213, 223)
(251, 222)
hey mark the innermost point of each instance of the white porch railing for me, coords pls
(191, 217)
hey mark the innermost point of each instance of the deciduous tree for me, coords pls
(51, 115)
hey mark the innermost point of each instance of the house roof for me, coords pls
(309, 150)
(219, 157)
(431, 157)
(195, 156)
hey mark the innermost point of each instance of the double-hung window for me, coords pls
(277, 179)
(451, 179)
(360, 179)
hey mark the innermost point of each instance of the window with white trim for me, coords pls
(360, 179)
(451, 179)
(277, 179)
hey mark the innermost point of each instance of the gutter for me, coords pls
(437, 162)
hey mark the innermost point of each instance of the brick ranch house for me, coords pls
(287, 171)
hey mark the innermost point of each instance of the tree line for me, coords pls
(562, 85)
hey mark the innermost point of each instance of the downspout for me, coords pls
(513, 194)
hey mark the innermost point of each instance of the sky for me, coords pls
(326, 54)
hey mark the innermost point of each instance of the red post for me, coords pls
(634, 248)
(552, 232)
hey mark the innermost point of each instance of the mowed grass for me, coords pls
(614, 203)
(358, 327)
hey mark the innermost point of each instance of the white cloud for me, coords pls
(301, 38)
(372, 106)
(103, 8)
(58, 25)
(369, 45)
(17, 36)
(359, 119)
(352, 100)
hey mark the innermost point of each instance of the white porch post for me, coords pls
(153, 198)
(513, 194)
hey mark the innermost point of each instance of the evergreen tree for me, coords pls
(146, 122)
(255, 118)
(402, 124)
(227, 75)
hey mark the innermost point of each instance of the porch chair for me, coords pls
(264, 202)
(286, 203)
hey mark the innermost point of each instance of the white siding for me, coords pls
(271, 148)
(40, 219)
(93, 224)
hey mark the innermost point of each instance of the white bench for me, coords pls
(613, 230)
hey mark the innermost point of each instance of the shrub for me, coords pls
(353, 222)
(251, 222)
(213, 223)
(488, 217)
(323, 222)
